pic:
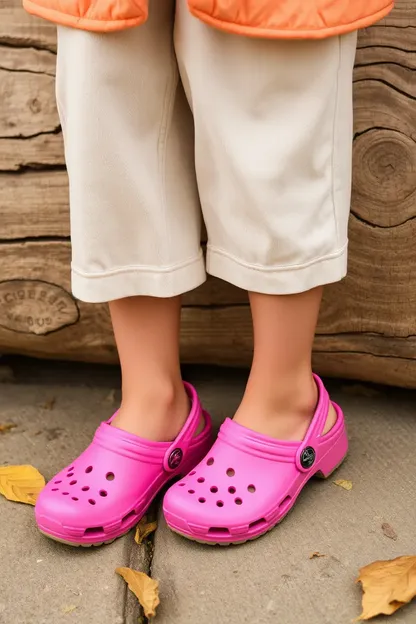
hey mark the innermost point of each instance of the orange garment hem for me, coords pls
(272, 33)
(82, 23)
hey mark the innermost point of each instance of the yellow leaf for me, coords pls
(387, 586)
(315, 555)
(144, 529)
(69, 609)
(347, 485)
(21, 484)
(7, 427)
(143, 587)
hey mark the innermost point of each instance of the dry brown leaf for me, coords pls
(143, 587)
(315, 555)
(7, 427)
(49, 404)
(144, 529)
(389, 531)
(21, 484)
(387, 586)
(346, 485)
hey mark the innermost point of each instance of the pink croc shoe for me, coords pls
(106, 491)
(248, 482)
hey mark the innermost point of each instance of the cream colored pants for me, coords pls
(266, 153)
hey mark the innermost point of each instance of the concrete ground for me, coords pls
(56, 408)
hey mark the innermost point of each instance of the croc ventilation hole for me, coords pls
(129, 516)
(285, 502)
(238, 501)
(201, 500)
(191, 491)
(214, 489)
(182, 484)
(55, 489)
(220, 503)
(103, 493)
(251, 489)
(210, 461)
(72, 483)
(58, 482)
(65, 493)
(192, 473)
(88, 470)
(219, 531)
(201, 480)
(75, 498)
(230, 472)
(110, 476)
(85, 488)
(257, 523)
(91, 501)
(232, 490)
(94, 531)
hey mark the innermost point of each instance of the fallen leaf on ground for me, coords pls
(315, 555)
(387, 586)
(69, 609)
(7, 427)
(21, 484)
(49, 404)
(144, 529)
(143, 587)
(346, 485)
(389, 531)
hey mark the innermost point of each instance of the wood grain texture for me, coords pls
(367, 327)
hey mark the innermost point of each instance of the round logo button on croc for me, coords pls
(307, 459)
(175, 458)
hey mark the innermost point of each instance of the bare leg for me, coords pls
(281, 395)
(154, 403)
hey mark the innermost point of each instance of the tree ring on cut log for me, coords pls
(384, 178)
(36, 307)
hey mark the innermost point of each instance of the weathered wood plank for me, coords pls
(45, 150)
(18, 28)
(28, 104)
(34, 204)
(40, 318)
(27, 60)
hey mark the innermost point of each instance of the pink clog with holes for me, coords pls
(248, 482)
(106, 491)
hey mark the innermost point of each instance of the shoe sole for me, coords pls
(318, 475)
(80, 544)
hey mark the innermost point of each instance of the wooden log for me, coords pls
(367, 327)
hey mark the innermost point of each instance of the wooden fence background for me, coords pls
(367, 328)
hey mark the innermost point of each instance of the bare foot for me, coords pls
(285, 417)
(155, 416)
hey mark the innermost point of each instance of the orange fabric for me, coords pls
(258, 18)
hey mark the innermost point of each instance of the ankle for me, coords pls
(294, 396)
(156, 410)
(284, 409)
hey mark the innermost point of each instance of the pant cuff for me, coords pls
(132, 281)
(280, 280)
